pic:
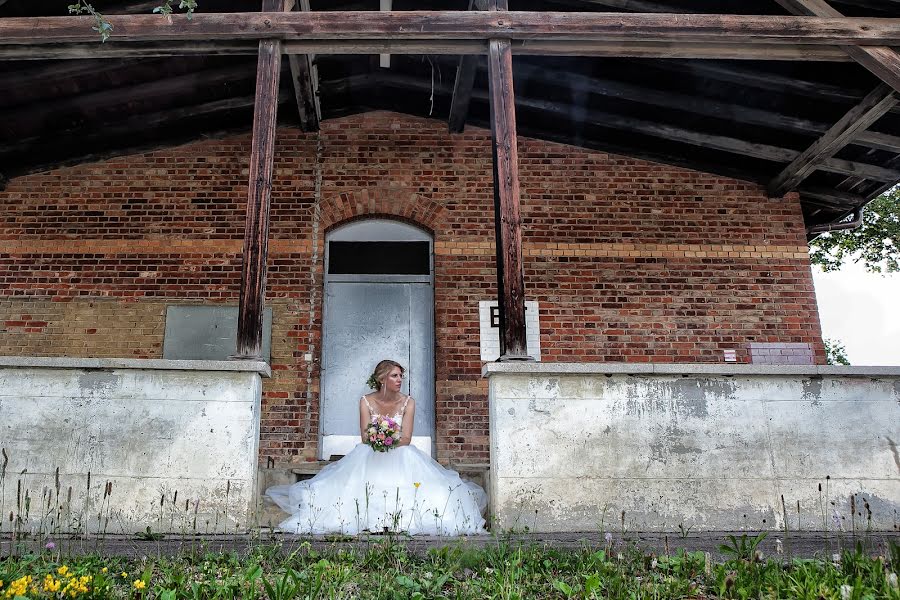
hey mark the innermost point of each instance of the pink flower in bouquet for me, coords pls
(382, 434)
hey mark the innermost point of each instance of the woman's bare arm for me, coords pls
(365, 417)
(406, 428)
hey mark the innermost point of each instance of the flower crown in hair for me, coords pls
(373, 383)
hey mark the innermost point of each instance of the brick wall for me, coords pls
(630, 261)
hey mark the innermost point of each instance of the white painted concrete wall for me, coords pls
(706, 447)
(150, 429)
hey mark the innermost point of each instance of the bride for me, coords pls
(401, 489)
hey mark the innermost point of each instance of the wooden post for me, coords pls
(256, 231)
(507, 223)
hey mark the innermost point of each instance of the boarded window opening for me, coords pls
(379, 258)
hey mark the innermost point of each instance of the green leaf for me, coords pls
(876, 242)
(562, 586)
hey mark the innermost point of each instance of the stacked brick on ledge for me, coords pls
(629, 260)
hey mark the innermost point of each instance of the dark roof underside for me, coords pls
(731, 117)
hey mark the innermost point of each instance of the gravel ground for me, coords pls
(801, 544)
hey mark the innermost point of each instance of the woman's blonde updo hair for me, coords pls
(381, 371)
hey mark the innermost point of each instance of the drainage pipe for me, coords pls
(855, 222)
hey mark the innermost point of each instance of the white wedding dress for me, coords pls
(401, 490)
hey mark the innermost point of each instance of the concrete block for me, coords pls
(158, 436)
(708, 449)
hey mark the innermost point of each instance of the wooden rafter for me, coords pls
(694, 104)
(860, 117)
(416, 26)
(834, 199)
(465, 78)
(883, 61)
(305, 78)
(96, 102)
(88, 136)
(652, 129)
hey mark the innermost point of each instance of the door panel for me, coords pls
(364, 323)
(420, 365)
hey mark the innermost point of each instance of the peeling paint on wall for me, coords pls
(708, 452)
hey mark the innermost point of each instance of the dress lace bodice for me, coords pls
(398, 416)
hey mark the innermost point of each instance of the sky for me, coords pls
(862, 311)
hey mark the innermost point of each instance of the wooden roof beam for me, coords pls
(615, 49)
(883, 61)
(346, 28)
(694, 104)
(833, 198)
(639, 6)
(305, 77)
(652, 129)
(860, 117)
(465, 74)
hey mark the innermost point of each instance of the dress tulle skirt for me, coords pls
(402, 490)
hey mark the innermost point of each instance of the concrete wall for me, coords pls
(629, 261)
(707, 447)
(167, 444)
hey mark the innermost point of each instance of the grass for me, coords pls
(502, 570)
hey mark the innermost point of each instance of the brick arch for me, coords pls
(399, 203)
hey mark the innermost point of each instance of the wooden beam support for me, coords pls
(629, 49)
(881, 60)
(348, 27)
(859, 118)
(256, 232)
(462, 92)
(507, 221)
(465, 74)
(305, 77)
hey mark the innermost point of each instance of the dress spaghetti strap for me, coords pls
(369, 406)
(403, 408)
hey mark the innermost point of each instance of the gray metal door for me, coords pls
(369, 317)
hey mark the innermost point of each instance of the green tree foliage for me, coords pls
(835, 353)
(104, 27)
(876, 242)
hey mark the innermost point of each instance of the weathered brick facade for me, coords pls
(630, 261)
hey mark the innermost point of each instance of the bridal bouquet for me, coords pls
(382, 434)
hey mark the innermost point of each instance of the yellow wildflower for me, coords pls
(104, 570)
(124, 574)
(51, 584)
(417, 484)
(63, 570)
(18, 587)
(139, 584)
